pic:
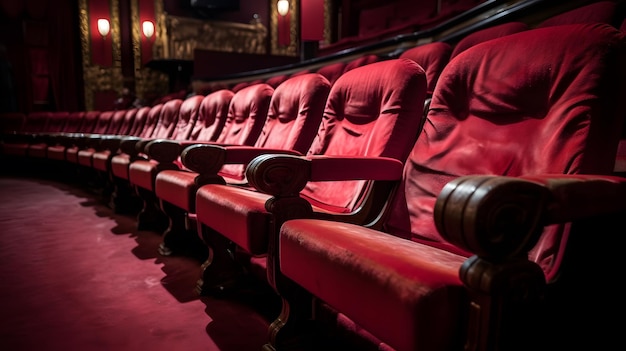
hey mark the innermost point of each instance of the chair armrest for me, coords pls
(287, 175)
(500, 217)
(111, 142)
(208, 159)
(128, 145)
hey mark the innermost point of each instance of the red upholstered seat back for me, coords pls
(374, 110)
(129, 121)
(487, 34)
(212, 115)
(36, 122)
(433, 57)
(117, 122)
(496, 112)
(246, 115)
(152, 121)
(276, 80)
(332, 71)
(168, 119)
(56, 122)
(294, 116)
(360, 61)
(89, 121)
(74, 120)
(102, 124)
(187, 116)
(597, 12)
(138, 120)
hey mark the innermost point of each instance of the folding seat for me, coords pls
(119, 124)
(101, 160)
(17, 144)
(247, 112)
(506, 232)
(82, 141)
(122, 199)
(293, 119)
(56, 125)
(73, 139)
(141, 173)
(485, 34)
(373, 113)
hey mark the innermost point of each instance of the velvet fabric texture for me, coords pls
(372, 111)
(293, 118)
(142, 172)
(121, 161)
(487, 34)
(494, 111)
(433, 57)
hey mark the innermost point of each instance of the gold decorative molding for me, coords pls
(148, 82)
(184, 35)
(96, 77)
(292, 48)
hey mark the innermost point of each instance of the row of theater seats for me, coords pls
(490, 221)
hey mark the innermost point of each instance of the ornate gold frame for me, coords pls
(95, 77)
(148, 82)
(293, 48)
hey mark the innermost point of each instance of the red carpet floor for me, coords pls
(75, 276)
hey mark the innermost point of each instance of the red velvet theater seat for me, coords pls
(507, 231)
(17, 144)
(371, 119)
(119, 124)
(211, 119)
(433, 57)
(141, 173)
(135, 119)
(293, 119)
(487, 34)
(83, 140)
(73, 140)
(56, 125)
(332, 71)
(246, 116)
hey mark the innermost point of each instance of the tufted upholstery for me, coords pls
(371, 119)
(121, 161)
(539, 118)
(142, 172)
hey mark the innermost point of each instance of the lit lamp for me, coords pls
(283, 7)
(148, 29)
(103, 27)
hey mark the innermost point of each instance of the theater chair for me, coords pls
(17, 144)
(293, 119)
(246, 113)
(506, 232)
(133, 149)
(371, 119)
(210, 121)
(71, 140)
(332, 71)
(141, 173)
(123, 199)
(83, 141)
(56, 125)
(485, 34)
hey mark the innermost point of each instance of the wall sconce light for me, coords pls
(104, 27)
(283, 7)
(148, 29)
